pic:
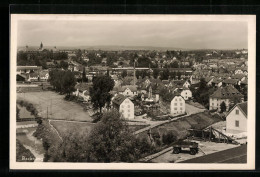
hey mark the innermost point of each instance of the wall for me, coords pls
(179, 108)
(231, 119)
(127, 109)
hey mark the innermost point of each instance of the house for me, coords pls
(128, 90)
(240, 77)
(177, 105)
(186, 93)
(82, 91)
(227, 94)
(232, 82)
(33, 77)
(236, 120)
(181, 83)
(124, 105)
(209, 80)
(44, 75)
(216, 82)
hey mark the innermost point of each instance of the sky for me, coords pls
(186, 35)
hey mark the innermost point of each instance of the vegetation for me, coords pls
(201, 95)
(29, 107)
(99, 92)
(23, 154)
(223, 107)
(112, 141)
(62, 81)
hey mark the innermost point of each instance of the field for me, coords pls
(65, 127)
(57, 107)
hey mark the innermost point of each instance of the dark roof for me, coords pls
(238, 76)
(226, 93)
(216, 81)
(244, 82)
(230, 81)
(233, 155)
(119, 99)
(243, 107)
(133, 88)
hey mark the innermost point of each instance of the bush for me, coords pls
(70, 97)
(29, 107)
(22, 152)
(168, 138)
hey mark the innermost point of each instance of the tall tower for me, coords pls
(41, 46)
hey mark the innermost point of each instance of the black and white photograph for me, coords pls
(132, 92)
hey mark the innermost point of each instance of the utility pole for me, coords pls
(47, 112)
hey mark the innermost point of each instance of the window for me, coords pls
(181, 104)
(237, 112)
(128, 110)
(175, 108)
(237, 123)
(180, 99)
(175, 104)
(128, 106)
(212, 104)
(128, 115)
(122, 106)
(122, 111)
(180, 108)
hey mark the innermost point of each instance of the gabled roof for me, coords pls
(119, 99)
(244, 82)
(242, 107)
(133, 88)
(238, 76)
(227, 92)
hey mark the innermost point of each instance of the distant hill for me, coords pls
(115, 48)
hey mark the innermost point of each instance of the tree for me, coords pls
(165, 74)
(84, 78)
(124, 74)
(112, 141)
(156, 73)
(175, 64)
(179, 75)
(99, 92)
(68, 82)
(223, 107)
(64, 65)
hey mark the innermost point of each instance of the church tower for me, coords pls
(41, 46)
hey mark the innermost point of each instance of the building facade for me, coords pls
(124, 105)
(177, 105)
(236, 120)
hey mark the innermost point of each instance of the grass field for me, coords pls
(64, 127)
(58, 108)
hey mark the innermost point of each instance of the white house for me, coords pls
(186, 94)
(177, 105)
(236, 120)
(82, 91)
(124, 105)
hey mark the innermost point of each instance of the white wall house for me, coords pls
(186, 94)
(177, 105)
(124, 105)
(236, 120)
